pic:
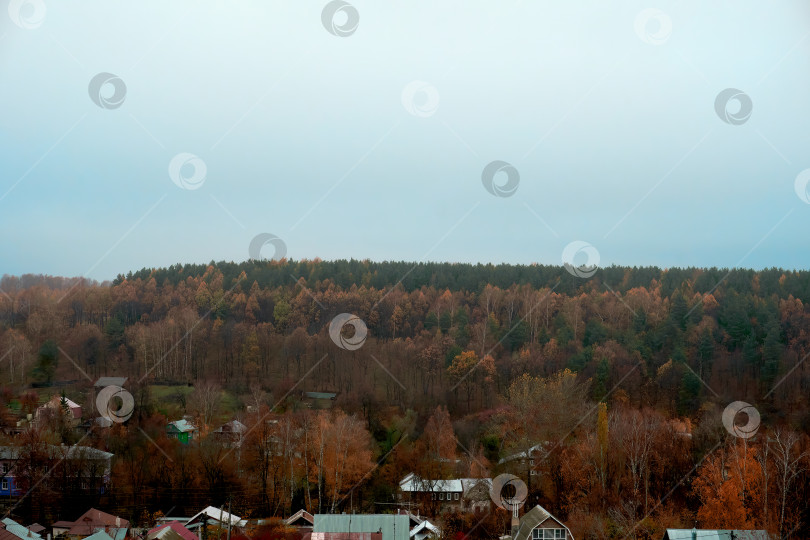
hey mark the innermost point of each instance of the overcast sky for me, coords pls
(365, 130)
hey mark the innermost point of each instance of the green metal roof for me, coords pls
(393, 526)
(320, 395)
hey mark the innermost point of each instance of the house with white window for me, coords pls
(461, 494)
(539, 524)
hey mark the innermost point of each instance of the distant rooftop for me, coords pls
(321, 395)
(183, 425)
(715, 534)
(110, 381)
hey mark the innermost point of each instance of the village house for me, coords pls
(214, 516)
(421, 528)
(182, 430)
(173, 530)
(318, 400)
(103, 382)
(90, 523)
(461, 494)
(230, 434)
(88, 465)
(301, 520)
(539, 524)
(525, 462)
(54, 407)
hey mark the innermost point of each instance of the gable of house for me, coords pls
(539, 524)
(94, 520)
(215, 514)
(300, 519)
(173, 530)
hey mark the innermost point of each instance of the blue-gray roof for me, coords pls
(393, 526)
(18, 530)
(100, 535)
(115, 533)
(714, 534)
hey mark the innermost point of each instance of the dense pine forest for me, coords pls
(620, 380)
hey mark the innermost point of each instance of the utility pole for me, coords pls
(219, 525)
(230, 516)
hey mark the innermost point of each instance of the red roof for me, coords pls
(56, 402)
(96, 519)
(5, 535)
(177, 527)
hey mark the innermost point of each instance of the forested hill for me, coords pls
(473, 277)
(737, 330)
(500, 356)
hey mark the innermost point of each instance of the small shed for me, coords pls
(182, 430)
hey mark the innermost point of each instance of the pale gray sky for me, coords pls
(372, 145)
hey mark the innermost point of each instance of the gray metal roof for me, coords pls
(715, 534)
(393, 526)
(54, 451)
(110, 381)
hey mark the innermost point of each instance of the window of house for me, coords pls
(531, 462)
(441, 496)
(533, 472)
(456, 497)
(432, 496)
(5, 468)
(548, 534)
(4, 485)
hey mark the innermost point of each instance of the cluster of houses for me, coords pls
(415, 494)
(535, 524)
(468, 495)
(92, 525)
(71, 412)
